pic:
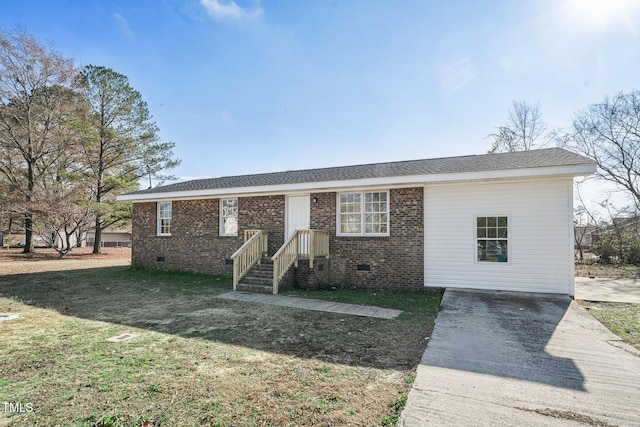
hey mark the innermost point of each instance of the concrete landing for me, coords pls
(313, 304)
(608, 290)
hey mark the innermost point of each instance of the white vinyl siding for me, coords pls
(539, 218)
(164, 218)
(229, 217)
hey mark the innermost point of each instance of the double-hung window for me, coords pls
(229, 217)
(164, 218)
(363, 213)
(492, 238)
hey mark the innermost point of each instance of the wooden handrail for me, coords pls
(249, 254)
(302, 243)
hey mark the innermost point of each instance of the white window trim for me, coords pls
(476, 238)
(159, 220)
(362, 225)
(221, 218)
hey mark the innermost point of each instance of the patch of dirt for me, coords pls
(13, 261)
(607, 271)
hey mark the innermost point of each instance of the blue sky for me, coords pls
(260, 86)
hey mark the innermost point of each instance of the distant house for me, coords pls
(495, 221)
(584, 236)
(111, 238)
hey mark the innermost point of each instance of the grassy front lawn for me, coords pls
(199, 360)
(622, 319)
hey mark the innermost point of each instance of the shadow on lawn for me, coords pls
(184, 304)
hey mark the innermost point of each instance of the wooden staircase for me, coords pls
(259, 278)
(254, 272)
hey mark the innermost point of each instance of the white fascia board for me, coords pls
(395, 181)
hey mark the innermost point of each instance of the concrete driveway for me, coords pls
(501, 358)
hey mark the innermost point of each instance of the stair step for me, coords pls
(263, 267)
(265, 274)
(249, 287)
(257, 280)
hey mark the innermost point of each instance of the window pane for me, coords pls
(164, 217)
(492, 243)
(229, 216)
(482, 250)
(503, 254)
(363, 213)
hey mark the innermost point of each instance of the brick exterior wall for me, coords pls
(396, 261)
(195, 243)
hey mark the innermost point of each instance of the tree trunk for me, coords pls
(28, 216)
(68, 239)
(28, 234)
(98, 236)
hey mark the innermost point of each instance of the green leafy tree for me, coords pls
(120, 144)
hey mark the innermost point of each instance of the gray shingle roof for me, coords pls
(476, 163)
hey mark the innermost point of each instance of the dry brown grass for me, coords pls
(198, 360)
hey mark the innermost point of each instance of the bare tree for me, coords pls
(523, 130)
(33, 84)
(586, 223)
(609, 133)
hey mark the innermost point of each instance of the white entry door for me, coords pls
(298, 216)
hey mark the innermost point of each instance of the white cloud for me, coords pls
(457, 74)
(124, 25)
(228, 9)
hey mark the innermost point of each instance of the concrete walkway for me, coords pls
(509, 359)
(608, 290)
(313, 304)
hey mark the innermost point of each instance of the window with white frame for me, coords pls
(229, 217)
(492, 236)
(164, 218)
(363, 213)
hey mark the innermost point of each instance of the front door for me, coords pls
(298, 216)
